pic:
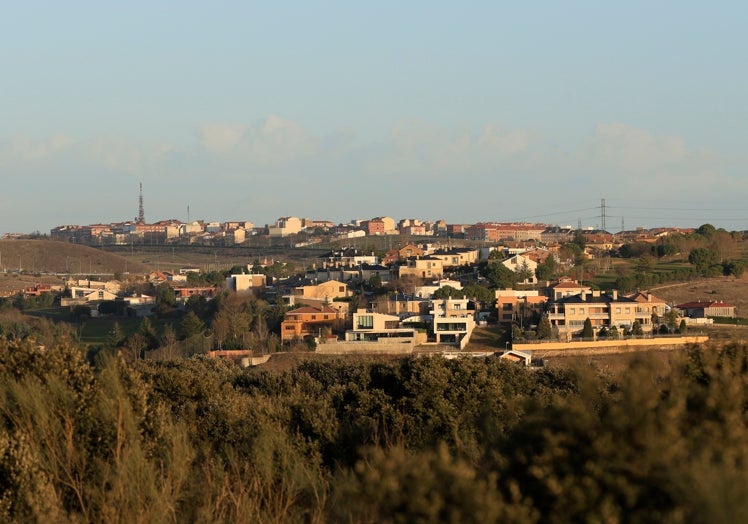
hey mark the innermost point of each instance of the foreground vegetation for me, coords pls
(413, 440)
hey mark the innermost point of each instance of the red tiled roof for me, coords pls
(698, 304)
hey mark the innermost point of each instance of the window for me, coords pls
(618, 311)
(581, 311)
(572, 311)
(628, 310)
(365, 321)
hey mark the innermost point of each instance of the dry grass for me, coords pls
(727, 289)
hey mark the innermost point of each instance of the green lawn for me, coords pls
(95, 331)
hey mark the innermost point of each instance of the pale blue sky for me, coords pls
(338, 110)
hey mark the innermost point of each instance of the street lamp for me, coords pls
(506, 346)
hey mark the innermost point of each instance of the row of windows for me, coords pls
(627, 310)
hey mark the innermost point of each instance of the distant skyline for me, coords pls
(466, 111)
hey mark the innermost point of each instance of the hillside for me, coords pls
(726, 289)
(47, 261)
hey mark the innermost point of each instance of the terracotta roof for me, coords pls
(643, 297)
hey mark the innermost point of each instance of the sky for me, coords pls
(462, 111)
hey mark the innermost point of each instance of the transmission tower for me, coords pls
(141, 211)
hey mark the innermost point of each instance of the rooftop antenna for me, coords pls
(141, 211)
(602, 214)
(188, 213)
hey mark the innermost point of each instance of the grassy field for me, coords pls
(95, 331)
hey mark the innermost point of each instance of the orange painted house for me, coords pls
(307, 322)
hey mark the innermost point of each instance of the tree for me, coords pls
(500, 276)
(706, 230)
(579, 239)
(704, 259)
(546, 270)
(545, 331)
(115, 335)
(587, 332)
(448, 292)
(646, 263)
(148, 332)
(671, 320)
(733, 267)
(682, 328)
(191, 325)
(524, 273)
(636, 329)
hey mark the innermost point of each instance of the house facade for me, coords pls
(704, 309)
(568, 315)
(375, 327)
(422, 267)
(307, 322)
(453, 322)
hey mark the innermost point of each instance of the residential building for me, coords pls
(428, 290)
(453, 322)
(375, 327)
(566, 288)
(455, 257)
(518, 305)
(347, 257)
(285, 226)
(519, 263)
(325, 292)
(707, 308)
(308, 322)
(568, 315)
(422, 267)
(244, 283)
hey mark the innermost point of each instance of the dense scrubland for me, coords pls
(412, 440)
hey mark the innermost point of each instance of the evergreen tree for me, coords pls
(191, 325)
(545, 331)
(587, 332)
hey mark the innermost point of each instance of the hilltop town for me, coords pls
(386, 286)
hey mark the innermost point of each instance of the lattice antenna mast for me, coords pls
(602, 214)
(141, 211)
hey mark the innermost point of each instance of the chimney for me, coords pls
(615, 294)
(649, 297)
(583, 296)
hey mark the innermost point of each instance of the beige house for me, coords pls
(567, 288)
(85, 295)
(568, 315)
(285, 226)
(375, 327)
(457, 256)
(245, 283)
(518, 263)
(707, 308)
(326, 292)
(422, 267)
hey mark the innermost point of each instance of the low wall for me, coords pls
(352, 348)
(609, 346)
